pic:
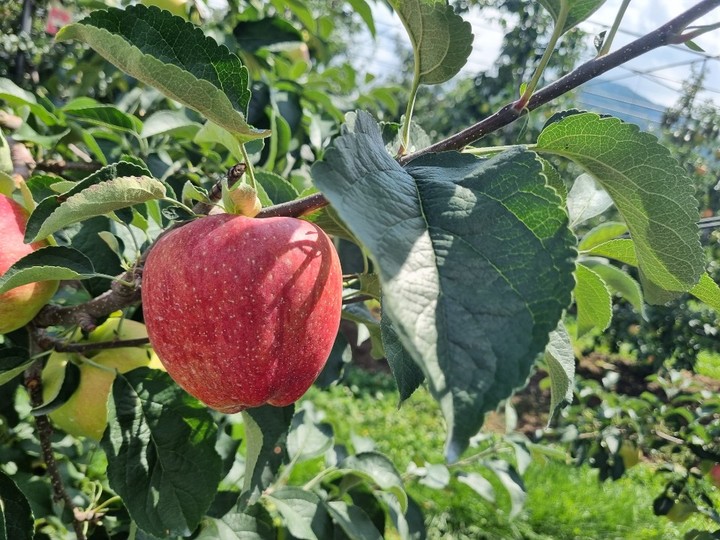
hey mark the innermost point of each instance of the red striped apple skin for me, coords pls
(243, 311)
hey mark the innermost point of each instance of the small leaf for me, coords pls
(379, 470)
(586, 200)
(594, 305)
(14, 95)
(304, 515)
(160, 441)
(354, 522)
(620, 282)
(560, 360)
(13, 361)
(47, 264)
(602, 233)
(254, 524)
(92, 112)
(254, 35)
(479, 484)
(16, 518)
(276, 187)
(111, 188)
(512, 483)
(70, 383)
(362, 8)
(410, 524)
(707, 291)
(652, 192)
(308, 439)
(437, 476)
(408, 375)
(578, 10)
(441, 39)
(175, 57)
(6, 164)
(266, 432)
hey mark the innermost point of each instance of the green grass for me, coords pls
(708, 364)
(564, 502)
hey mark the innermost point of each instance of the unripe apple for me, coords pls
(85, 413)
(19, 305)
(243, 311)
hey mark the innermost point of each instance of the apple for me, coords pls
(176, 7)
(85, 413)
(715, 474)
(243, 311)
(19, 305)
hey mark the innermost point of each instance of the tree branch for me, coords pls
(47, 341)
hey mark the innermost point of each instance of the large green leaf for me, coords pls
(560, 360)
(111, 188)
(254, 524)
(47, 264)
(651, 191)
(16, 519)
(175, 57)
(594, 304)
(160, 444)
(378, 469)
(576, 11)
(408, 376)
(353, 521)
(602, 233)
(620, 282)
(447, 233)
(441, 39)
(304, 515)
(90, 111)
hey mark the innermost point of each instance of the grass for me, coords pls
(564, 502)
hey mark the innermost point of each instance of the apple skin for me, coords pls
(19, 305)
(85, 413)
(715, 475)
(243, 311)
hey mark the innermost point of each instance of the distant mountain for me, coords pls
(608, 97)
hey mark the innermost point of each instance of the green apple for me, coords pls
(85, 413)
(19, 305)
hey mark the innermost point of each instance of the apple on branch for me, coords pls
(19, 305)
(243, 311)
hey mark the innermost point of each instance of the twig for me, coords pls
(46, 341)
(33, 383)
(295, 208)
(58, 166)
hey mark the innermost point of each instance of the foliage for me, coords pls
(468, 260)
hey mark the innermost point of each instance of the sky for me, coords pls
(657, 75)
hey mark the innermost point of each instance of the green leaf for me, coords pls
(578, 10)
(409, 524)
(594, 304)
(14, 95)
(707, 291)
(307, 438)
(175, 57)
(103, 248)
(554, 179)
(479, 484)
(358, 312)
(254, 35)
(170, 122)
(160, 444)
(214, 133)
(585, 200)
(266, 432)
(620, 249)
(602, 233)
(446, 233)
(6, 164)
(255, 524)
(619, 282)
(47, 264)
(70, 383)
(327, 219)
(16, 518)
(13, 361)
(362, 8)
(92, 112)
(276, 187)
(303, 514)
(354, 522)
(408, 376)
(512, 483)
(111, 188)
(649, 188)
(441, 39)
(378, 469)
(560, 360)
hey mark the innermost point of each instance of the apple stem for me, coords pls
(248, 167)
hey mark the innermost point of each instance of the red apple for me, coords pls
(715, 475)
(19, 305)
(243, 311)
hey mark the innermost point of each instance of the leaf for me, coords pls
(103, 248)
(92, 112)
(408, 376)
(266, 431)
(578, 11)
(170, 122)
(304, 515)
(649, 188)
(160, 444)
(620, 249)
(277, 188)
(378, 469)
(409, 524)
(560, 360)
(362, 8)
(16, 518)
(254, 35)
(14, 95)
(512, 483)
(479, 484)
(707, 291)
(594, 305)
(358, 312)
(354, 522)
(175, 57)
(602, 233)
(437, 476)
(585, 200)
(441, 39)
(70, 383)
(6, 164)
(13, 361)
(254, 524)
(111, 188)
(620, 282)
(308, 439)
(446, 233)
(47, 264)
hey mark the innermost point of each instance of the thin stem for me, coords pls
(490, 150)
(607, 42)
(318, 478)
(249, 168)
(699, 31)
(178, 203)
(405, 138)
(549, 50)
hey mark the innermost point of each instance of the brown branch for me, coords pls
(59, 166)
(666, 34)
(33, 383)
(296, 208)
(46, 341)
